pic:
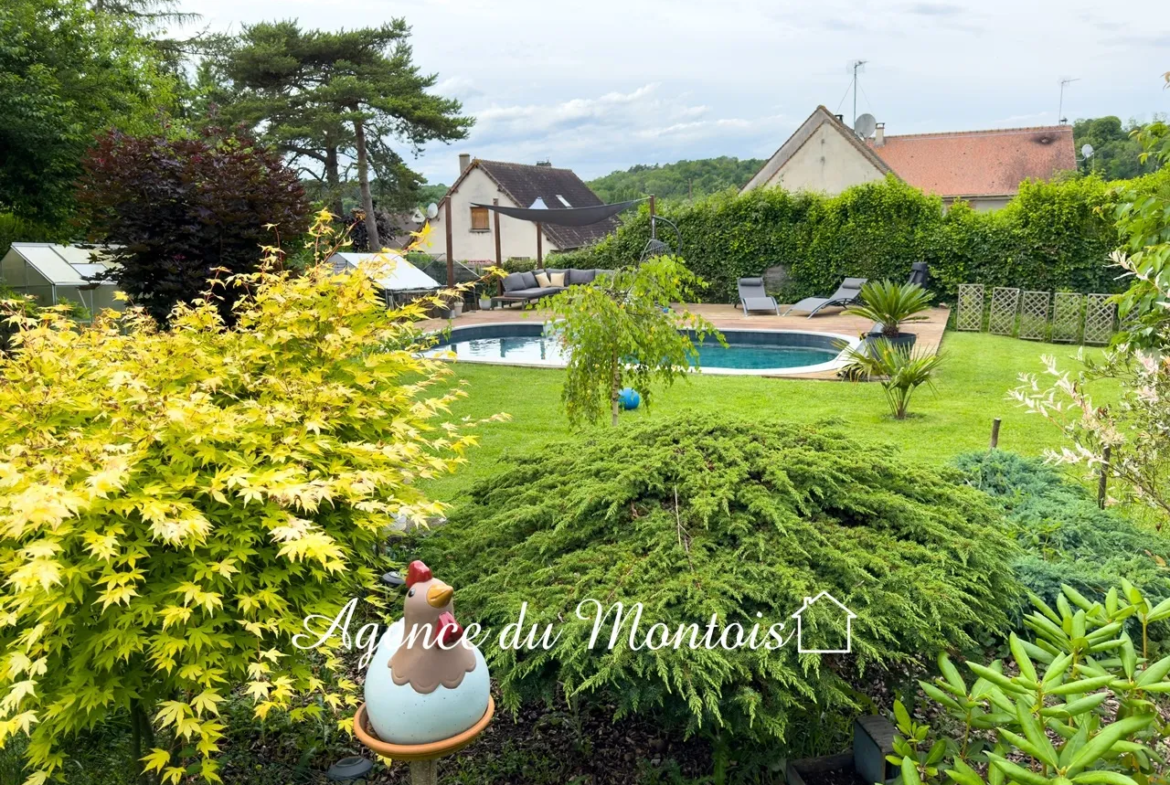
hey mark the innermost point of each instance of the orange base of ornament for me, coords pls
(428, 751)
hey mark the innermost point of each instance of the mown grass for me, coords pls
(970, 390)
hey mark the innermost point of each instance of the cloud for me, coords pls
(460, 87)
(597, 134)
(935, 9)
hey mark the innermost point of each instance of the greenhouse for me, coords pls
(399, 280)
(56, 274)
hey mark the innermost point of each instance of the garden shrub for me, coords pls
(1053, 236)
(14, 229)
(179, 212)
(711, 515)
(1064, 536)
(174, 503)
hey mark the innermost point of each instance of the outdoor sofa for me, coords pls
(524, 288)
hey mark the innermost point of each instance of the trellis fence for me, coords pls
(1063, 317)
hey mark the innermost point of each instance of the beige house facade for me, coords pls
(823, 156)
(473, 227)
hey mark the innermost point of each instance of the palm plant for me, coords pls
(890, 304)
(900, 371)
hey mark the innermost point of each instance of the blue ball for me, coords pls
(628, 398)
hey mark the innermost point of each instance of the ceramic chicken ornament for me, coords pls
(415, 693)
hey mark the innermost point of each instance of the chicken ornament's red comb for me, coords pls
(417, 573)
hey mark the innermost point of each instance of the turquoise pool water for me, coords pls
(738, 356)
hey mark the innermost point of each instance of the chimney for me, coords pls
(464, 162)
(544, 163)
(879, 135)
(840, 118)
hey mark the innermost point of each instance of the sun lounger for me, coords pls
(752, 296)
(847, 293)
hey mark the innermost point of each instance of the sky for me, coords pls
(602, 85)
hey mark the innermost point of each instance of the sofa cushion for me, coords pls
(529, 280)
(515, 281)
(557, 280)
(580, 276)
(542, 280)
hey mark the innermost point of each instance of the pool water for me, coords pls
(546, 350)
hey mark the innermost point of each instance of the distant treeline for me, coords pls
(681, 180)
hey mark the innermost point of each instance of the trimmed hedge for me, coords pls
(1054, 236)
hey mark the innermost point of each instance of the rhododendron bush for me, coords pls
(174, 503)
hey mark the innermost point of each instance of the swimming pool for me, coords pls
(748, 351)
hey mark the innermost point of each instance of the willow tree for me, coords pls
(623, 330)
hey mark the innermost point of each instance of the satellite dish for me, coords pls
(865, 125)
(1086, 150)
(432, 211)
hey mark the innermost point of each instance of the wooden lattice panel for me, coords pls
(1005, 303)
(970, 313)
(1100, 314)
(1066, 317)
(1034, 315)
(1129, 321)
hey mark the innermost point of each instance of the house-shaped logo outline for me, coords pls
(850, 616)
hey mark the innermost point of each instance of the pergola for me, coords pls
(566, 216)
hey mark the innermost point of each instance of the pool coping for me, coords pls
(800, 370)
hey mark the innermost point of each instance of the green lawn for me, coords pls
(970, 391)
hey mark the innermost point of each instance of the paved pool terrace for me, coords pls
(730, 317)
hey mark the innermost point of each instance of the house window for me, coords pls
(564, 201)
(479, 219)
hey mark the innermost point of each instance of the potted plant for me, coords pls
(890, 305)
(873, 741)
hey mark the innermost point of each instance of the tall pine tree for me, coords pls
(326, 98)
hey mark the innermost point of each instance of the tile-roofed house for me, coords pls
(982, 167)
(822, 155)
(513, 185)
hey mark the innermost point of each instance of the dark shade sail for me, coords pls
(563, 216)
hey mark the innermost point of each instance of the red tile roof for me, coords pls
(979, 163)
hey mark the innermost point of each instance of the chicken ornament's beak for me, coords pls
(439, 594)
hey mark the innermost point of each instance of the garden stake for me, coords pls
(994, 433)
(1103, 479)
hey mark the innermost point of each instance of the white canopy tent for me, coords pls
(397, 278)
(56, 274)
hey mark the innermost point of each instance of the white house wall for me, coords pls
(518, 238)
(826, 163)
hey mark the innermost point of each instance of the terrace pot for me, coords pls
(866, 764)
(485, 303)
(902, 339)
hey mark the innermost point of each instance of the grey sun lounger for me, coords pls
(752, 296)
(847, 293)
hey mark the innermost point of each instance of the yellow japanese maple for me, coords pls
(174, 503)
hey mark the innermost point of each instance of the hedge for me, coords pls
(1055, 236)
